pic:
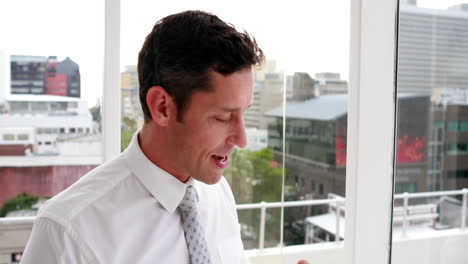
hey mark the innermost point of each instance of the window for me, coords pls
(458, 126)
(8, 137)
(458, 174)
(371, 77)
(431, 93)
(288, 75)
(457, 149)
(23, 137)
(409, 187)
(37, 100)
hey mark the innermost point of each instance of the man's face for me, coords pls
(212, 125)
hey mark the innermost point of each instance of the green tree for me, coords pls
(130, 124)
(125, 138)
(96, 114)
(22, 201)
(128, 128)
(254, 177)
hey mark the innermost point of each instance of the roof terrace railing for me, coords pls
(333, 201)
(338, 202)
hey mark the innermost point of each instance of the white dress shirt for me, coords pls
(125, 211)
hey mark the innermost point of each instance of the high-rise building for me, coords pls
(330, 83)
(56, 83)
(44, 75)
(316, 140)
(432, 48)
(28, 74)
(300, 87)
(268, 94)
(130, 100)
(72, 71)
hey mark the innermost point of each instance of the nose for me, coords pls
(238, 136)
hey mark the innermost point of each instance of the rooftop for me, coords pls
(325, 107)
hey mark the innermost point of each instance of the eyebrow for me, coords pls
(234, 109)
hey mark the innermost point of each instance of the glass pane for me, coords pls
(429, 217)
(50, 87)
(254, 173)
(316, 127)
(306, 64)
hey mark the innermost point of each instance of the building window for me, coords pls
(438, 124)
(320, 188)
(458, 174)
(458, 126)
(457, 149)
(72, 130)
(23, 137)
(8, 137)
(403, 187)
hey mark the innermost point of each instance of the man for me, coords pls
(164, 200)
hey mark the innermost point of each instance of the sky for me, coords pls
(301, 35)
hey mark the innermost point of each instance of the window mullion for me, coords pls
(369, 185)
(111, 94)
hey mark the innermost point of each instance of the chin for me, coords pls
(213, 179)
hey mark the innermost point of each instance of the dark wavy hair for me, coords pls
(183, 48)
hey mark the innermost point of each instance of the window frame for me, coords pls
(110, 107)
(371, 133)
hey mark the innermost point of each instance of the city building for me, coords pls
(268, 94)
(39, 125)
(316, 140)
(48, 138)
(256, 139)
(448, 147)
(130, 99)
(71, 72)
(299, 87)
(432, 50)
(330, 83)
(42, 75)
(28, 74)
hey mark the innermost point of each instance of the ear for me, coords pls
(161, 105)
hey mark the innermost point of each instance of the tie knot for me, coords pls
(189, 201)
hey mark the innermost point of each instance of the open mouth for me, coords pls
(221, 160)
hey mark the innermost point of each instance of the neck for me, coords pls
(154, 144)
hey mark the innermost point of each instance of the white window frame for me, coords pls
(110, 108)
(371, 131)
(371, 123)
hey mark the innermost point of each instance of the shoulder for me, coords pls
(69, 203)
(51, 242)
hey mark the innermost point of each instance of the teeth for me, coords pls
(221, 158)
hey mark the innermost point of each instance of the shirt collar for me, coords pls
(165, 188)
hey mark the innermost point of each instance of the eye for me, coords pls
(223, 119)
